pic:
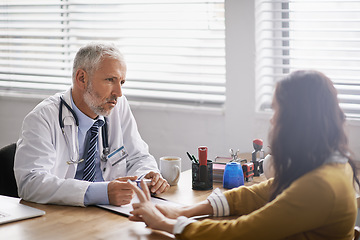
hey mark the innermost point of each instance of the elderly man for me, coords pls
(81, 146)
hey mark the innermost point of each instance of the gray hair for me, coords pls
(89, 56)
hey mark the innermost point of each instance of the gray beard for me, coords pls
(92, 104)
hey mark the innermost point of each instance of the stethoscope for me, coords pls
(74, 157)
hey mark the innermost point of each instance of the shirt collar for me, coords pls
(85, 122)
(336, 157)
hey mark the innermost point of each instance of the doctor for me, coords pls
(55, 149)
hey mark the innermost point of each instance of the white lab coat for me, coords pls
(41, 169)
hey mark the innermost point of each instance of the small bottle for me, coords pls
(233, 175)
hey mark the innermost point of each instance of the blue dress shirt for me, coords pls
(97, 191)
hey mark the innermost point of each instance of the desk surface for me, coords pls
(66, 222)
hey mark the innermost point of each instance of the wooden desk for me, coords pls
(65, 222)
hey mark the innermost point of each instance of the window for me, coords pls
(309, 34)
(175, 50)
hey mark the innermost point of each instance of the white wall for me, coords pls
(170, 130)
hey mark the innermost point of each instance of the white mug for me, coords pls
(268, 167)
(170, 168)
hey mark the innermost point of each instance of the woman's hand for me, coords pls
(170, 211)
(146, 211)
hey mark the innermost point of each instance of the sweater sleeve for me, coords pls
(251, 198)
(289, 214)
(219, 203)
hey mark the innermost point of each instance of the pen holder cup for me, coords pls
(202, 176)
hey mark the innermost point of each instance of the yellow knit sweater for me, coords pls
(321, 205)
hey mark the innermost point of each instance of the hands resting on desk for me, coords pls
(121, 193)
(161, 217)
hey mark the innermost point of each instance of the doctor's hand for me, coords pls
(120, 191)
(145, 211)
(158, 183)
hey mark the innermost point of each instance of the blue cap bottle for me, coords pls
(233, 175)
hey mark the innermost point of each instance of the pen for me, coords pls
(196, 161)
(146, 180)
(191, 159)
(138, 181)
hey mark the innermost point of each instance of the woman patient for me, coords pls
(312, 193)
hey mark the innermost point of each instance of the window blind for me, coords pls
(175, 50)
(303, 34)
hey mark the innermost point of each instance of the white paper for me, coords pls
(126, 209)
